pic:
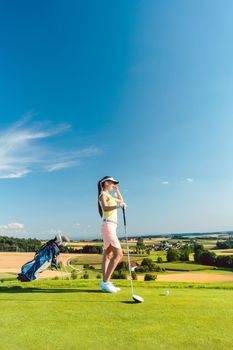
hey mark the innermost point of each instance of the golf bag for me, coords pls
(46, 256)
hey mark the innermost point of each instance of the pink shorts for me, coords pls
(109, 236)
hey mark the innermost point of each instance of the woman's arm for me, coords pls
(105, 205)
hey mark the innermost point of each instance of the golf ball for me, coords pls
(166, 292)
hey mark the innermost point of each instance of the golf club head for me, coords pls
(61, 239)
(65, 238)
(58, 239)
(137, 298)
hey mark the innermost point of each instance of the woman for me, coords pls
(108, 205)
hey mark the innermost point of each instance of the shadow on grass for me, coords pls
(129, 302)
(21, 290)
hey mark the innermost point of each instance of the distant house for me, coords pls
(133, 266)
(167, 246)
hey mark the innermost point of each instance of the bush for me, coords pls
(150, 277)
(173, 255)
(207, 258)
(159, 260)
(148, 265)
(134, 275)
(147, 262)
(184, 255)
(98, 276)
(56, 278)
(198, 250)
(92, 249)
(227, 244)
(86, 275)
(86, 266)
(74, 275)
(224, 261)
(119, 275)
(122, 266)
(60, 265)
(143, 269)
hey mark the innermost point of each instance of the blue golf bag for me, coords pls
(46, 256)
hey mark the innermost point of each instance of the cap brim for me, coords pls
(113, 180)
(110, 179)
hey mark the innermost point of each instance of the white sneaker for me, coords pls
(117, 288)
(107, 287)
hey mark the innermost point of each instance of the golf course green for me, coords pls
(75, 314)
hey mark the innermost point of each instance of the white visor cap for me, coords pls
(110, 179)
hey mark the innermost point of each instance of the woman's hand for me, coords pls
(117, 191)
(123, 205)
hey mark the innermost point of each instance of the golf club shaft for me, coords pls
(127, 246)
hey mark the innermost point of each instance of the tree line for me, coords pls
(206, 257)
(87, 249)
(11, 244)
(201, 256)
(181, 254)
(227, 244)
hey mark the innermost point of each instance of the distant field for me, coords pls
(185, 266)
(10, 264)
(197, 277)
(223, 251)
(95, 259)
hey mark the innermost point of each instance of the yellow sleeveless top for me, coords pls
(112, 214)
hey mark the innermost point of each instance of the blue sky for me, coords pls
(139, 90)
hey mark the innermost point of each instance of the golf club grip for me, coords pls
(124, 216)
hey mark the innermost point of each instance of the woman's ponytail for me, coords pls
(99, 191)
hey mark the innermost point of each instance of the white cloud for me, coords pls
(12, 226)
(12, 229)
(15, 175)
(58, 166)
(24, 149)
(189, 179)
(165, 183)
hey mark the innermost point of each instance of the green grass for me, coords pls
(91, 259)
(75, 315)
(7, 276)
(185, 266)
(218, 271)
(159, 253)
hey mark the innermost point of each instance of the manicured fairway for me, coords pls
(76, 315)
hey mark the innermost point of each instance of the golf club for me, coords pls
(135, 297)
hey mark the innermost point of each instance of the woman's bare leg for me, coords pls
(106, 259)
(115, 259)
